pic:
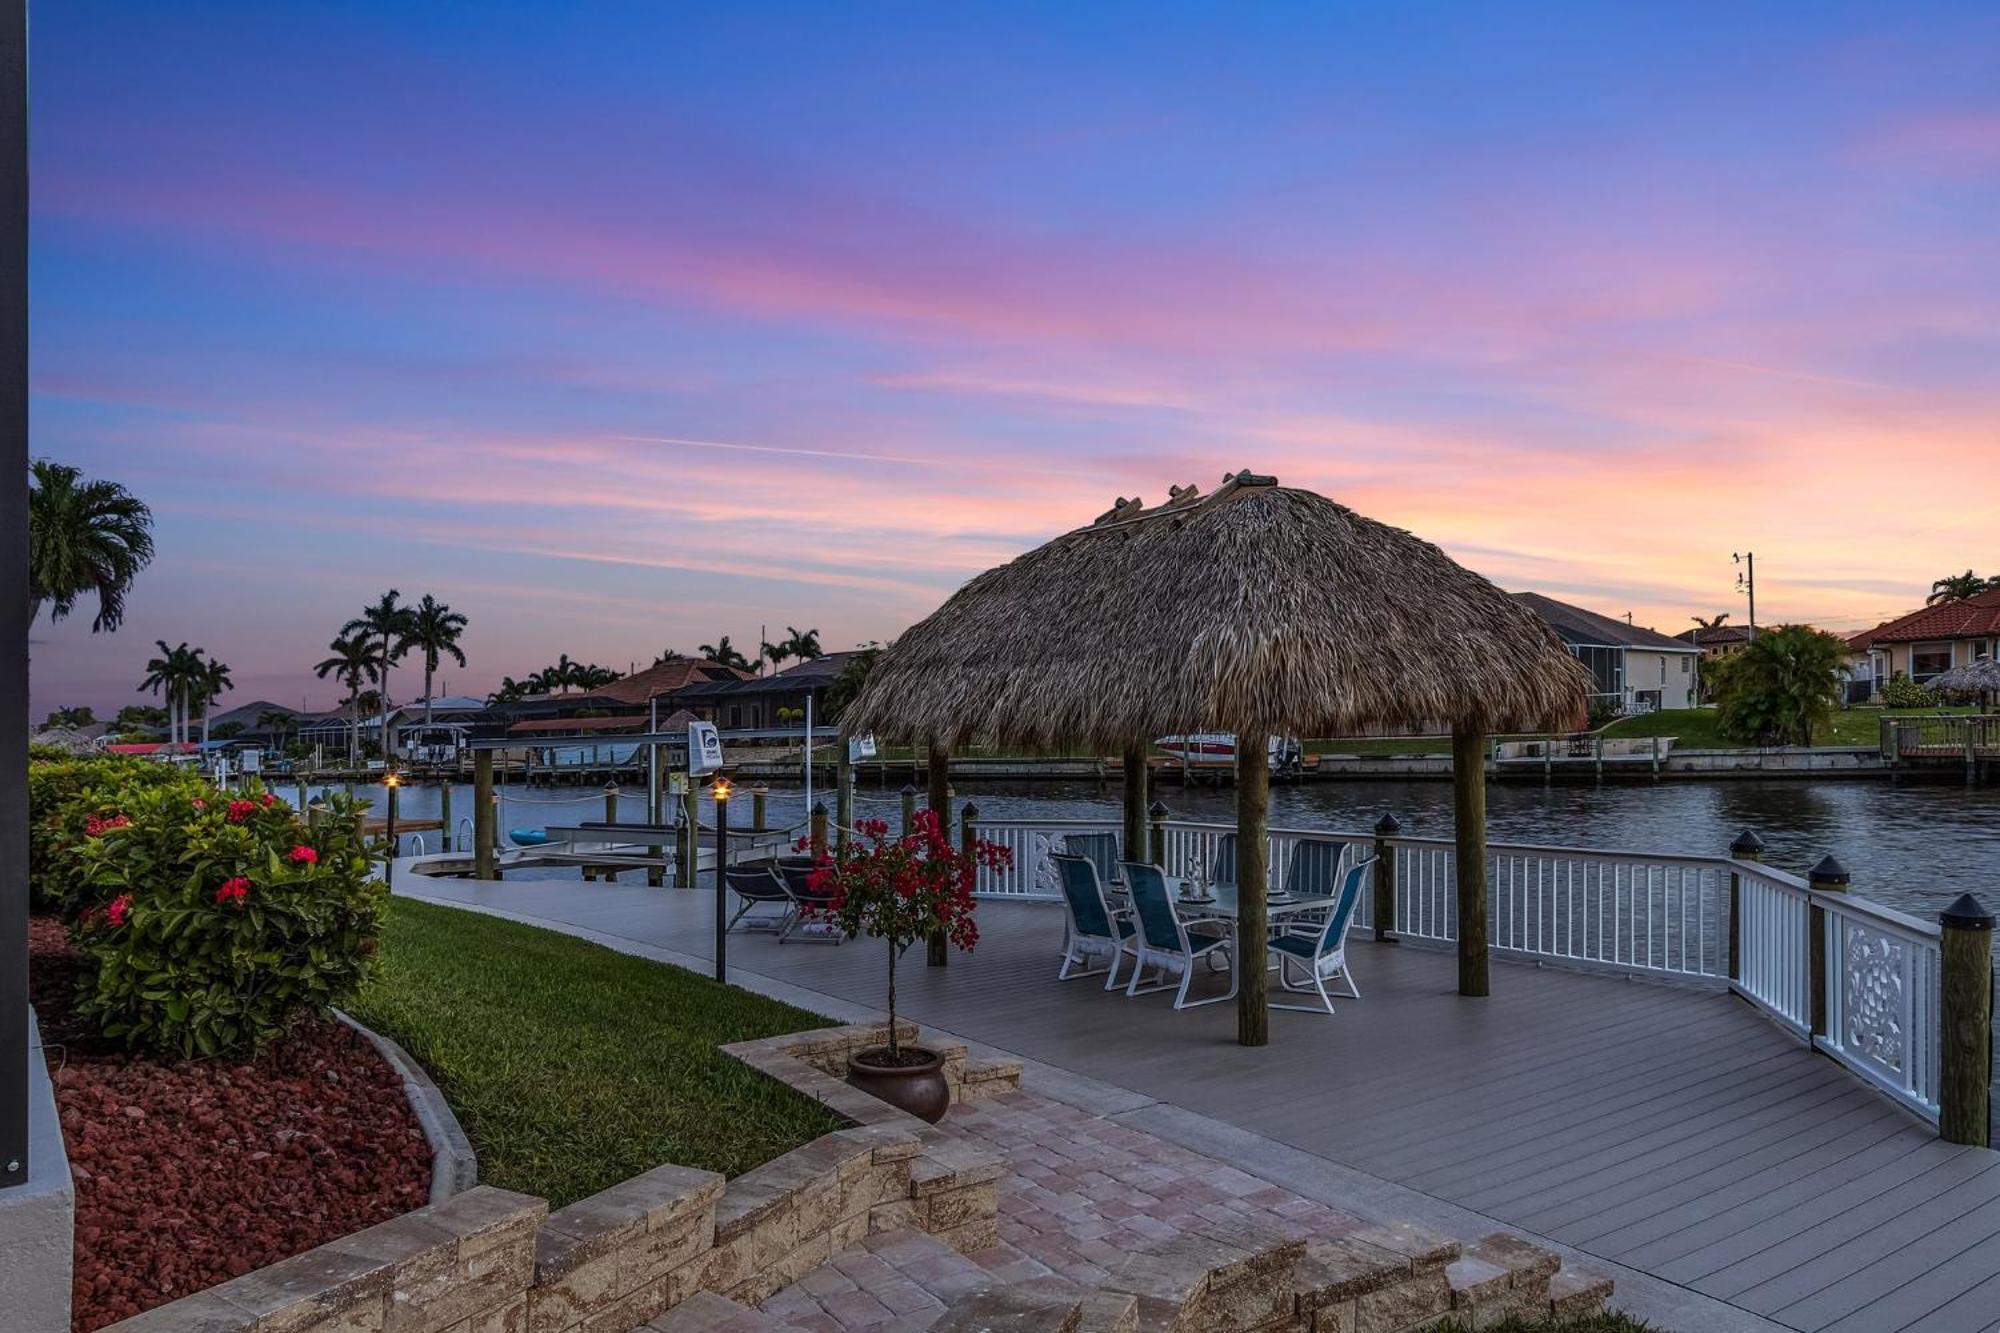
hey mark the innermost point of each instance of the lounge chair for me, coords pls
(1309, 958)
(757, 886)
(1092, 930)
(1167, 944)
(796, 871)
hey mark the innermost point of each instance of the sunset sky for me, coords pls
(620, 327)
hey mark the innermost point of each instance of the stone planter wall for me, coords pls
(492, 1261)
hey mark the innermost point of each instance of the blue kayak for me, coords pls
(528, 837)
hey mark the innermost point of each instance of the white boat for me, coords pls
(1217, 749)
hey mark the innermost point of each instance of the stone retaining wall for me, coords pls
(492, 1261)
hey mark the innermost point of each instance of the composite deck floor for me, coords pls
(1670, 1130)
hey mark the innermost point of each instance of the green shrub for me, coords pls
(1782, 687)
(65, 796)
(1899, 691)
(223, 918)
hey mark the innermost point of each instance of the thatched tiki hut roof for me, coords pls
(1980, 677)
(1258, 609)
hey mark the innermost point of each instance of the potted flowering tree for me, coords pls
(899, 891)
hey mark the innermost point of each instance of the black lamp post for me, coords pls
(720, 790)
(394, 782)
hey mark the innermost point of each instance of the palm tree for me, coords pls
(354, 660)
(278, 723)
(1782, 687)
(83, 536)
(804, 644)
(511, 690)
(212, 684)
(1708, 622)
(725, 653)
(595, 677)
(174, 676)
(388, 623)
(1958, 587)
(434, 630)
(777, 652)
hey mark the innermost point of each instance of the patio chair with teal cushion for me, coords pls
(1222, 869)
(1309, 958)
(1169, 944)
(1093, 931)
(1100, 848)
(1314, 870)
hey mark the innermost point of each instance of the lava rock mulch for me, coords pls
(191, 1172)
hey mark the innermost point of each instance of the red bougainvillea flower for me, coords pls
(303, 855)
(96, 827)
(233, 890)
(267, 800)
(119, 910)
(241, 810)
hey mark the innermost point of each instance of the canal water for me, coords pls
(1913, 845)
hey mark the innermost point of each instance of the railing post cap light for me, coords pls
(1747, 843)
(970, 810)
(1157, 810)
(819, 807)
(1966, 913)
(1387, 827)
(1829, 871)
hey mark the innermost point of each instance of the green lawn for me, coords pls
(572, 1067)
(1697, 729)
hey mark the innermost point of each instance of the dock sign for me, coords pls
(704, 748)
(861, 747)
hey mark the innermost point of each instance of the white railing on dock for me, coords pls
(1773, 942)
(1882, 972)
(1649, 914)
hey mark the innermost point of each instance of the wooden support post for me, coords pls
(1385, 879)
(1965, 1023)
(1135, 801)
(301, 804)
(611, 803)
(1468, 789)
(1747, 847)
(482, 814)
(444, 814)
(937, 767)
(760, 797)
(1598, 750)
(1253, 804)
(818, 839)
(1156, 815)
(909, 795)
(1829, 876)
(968, 828)
(843, 794)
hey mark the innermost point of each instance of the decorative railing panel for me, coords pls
(1882, 997)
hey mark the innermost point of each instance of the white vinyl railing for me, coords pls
(1882, 972)
(1659, 915)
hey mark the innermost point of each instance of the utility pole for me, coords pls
(1746, 582)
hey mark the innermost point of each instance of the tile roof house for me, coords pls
(1717, 640)
(755, 701)
(629, 694)
(1636, 670)
(1932, 639)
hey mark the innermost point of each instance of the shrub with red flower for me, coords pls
(233, 890)
(241, 810)
(94, 827)
(120, 910)
(302, 855)
(902, 890)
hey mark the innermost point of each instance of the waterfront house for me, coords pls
(1634, 669)
(759, 702)
(1930, 641)
(259, 722)
(629, 697)
(1717, 640)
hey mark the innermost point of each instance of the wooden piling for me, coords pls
(482, 814)
(1829, 876)
(818, 837)
(1253, 804)
(937, 952)
(760, 797)
(1135, 801)
(447, 835)
(1385, 879)
(1156, 815)
(1468, 789)
(1965, 1023)
(843, 794)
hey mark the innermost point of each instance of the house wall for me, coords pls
(1670, 675)
(1900, 657)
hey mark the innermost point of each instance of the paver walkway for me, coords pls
(1672, 1131)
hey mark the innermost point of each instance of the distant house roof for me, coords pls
(630, 722)
(1715, 636)
(1974, 618)
(816, 674)
(1580, 628)
(656, 681)
(250, 714)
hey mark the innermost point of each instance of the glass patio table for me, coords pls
(1222, 907)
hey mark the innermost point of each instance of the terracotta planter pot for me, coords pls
(919, 1089)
